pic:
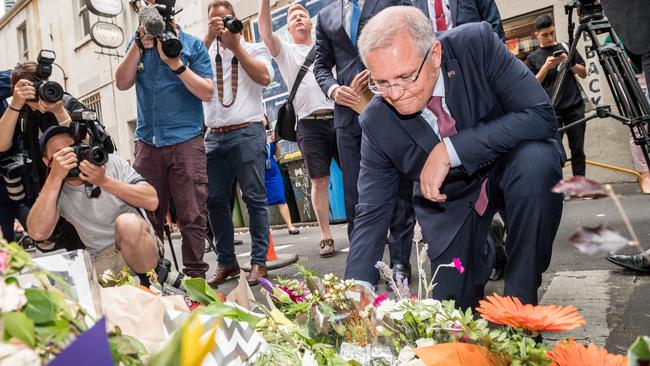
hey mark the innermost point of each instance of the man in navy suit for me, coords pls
(337, 29)
(445, 14)
(499, 153)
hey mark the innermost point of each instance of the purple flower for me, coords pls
(384, 271)
(266, 284)
(401, 286)
(459, 265)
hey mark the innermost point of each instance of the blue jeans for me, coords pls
(241, 154)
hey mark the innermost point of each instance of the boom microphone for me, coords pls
(152, 22)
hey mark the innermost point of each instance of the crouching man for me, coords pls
(103, 203)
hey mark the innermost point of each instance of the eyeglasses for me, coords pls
(402, 85)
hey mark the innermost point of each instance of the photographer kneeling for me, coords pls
(102, 202)
(37, 104)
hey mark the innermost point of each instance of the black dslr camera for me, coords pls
(171, 45)
(233, 24)
(91, 142)
(49, 91)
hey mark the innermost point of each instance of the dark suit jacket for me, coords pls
(334, 48)
(470, 11)
(497, 103)
(629, 19)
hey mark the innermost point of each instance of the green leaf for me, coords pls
(639, 351)
(220, 309)
(199, 290)
(40, 306)
(18, 325)
(58, 332)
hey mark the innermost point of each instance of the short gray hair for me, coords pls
(382, 28)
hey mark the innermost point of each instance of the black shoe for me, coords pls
(238, 242)
(403, 269)
(636, 262)
(497, 234)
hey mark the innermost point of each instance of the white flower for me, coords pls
(425, 342)
(406, 354)
(12, 297)
(386, 307)
(308, 359)
(11, 355)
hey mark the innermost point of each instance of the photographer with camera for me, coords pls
(107, 217)
(36, 105)
(172, 74)
(235, 142)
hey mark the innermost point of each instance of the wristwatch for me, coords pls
(180, 70)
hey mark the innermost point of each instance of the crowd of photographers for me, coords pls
(62, 182)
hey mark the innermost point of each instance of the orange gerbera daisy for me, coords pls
(510, 311)
(575, 354)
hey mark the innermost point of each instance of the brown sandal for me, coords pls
(326, 248)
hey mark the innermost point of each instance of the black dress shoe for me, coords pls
(497, 234)
(636, 262)
(403, 269)
(238, 242)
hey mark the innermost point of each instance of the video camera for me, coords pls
(157, 20)
(49, 91)
(91, 142)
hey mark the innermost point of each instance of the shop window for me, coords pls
(520, 33)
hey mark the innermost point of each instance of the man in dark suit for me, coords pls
(446, 14)
(337, 29)
(499, 153)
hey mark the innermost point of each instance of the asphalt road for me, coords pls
(613, 301)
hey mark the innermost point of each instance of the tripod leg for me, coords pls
(168, 234)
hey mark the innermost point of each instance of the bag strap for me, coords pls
(301, 74)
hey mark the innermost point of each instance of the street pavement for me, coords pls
(613, 301)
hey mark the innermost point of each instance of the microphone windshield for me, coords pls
(152, 22)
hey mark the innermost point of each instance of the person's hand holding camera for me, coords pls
(147, 40)
(23, 92)
(215, 28)
(91, 173)
(230, 40)
(173, 63)
(62, 161)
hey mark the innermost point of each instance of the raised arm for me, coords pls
(271, 41)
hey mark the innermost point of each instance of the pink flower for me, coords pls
(4, 262)
(459, 265)
(379, 300)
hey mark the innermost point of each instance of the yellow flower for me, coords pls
(193, 350)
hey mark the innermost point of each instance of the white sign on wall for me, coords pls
(105, 8)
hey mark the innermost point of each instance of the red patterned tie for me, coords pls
(441, 22)
(447, 127)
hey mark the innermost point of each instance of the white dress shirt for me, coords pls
(432, 120)
(445, 10)
(248, 105)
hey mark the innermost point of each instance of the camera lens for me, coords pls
(50, 92)
(233, 24)
(171, 46)
(97, 156)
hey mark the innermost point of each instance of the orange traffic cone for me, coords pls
(270, 253)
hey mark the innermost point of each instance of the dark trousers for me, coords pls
(237, 154)
(178, 172)
(576, 136)
(400, 240)
(519, 188)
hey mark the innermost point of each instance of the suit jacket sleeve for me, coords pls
(378, 191)
(324, 59)
(490, 13)
(527, 112)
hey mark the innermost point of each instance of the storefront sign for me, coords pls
(107, 35)
(105, 8)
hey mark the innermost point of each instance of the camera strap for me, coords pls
(234, 71)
